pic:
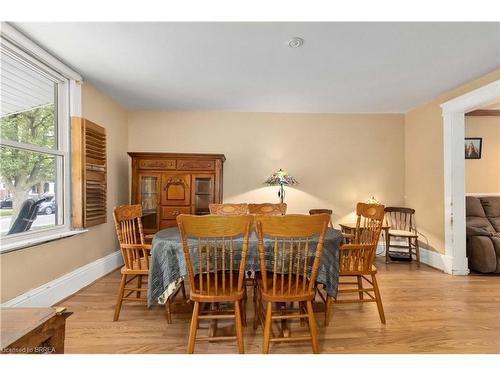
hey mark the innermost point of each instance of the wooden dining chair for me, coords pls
(232, 209)
(289, 265)
(316, 211)
(402, 225)
(273, 209)
(135, 252)
(356, 260)
(216, 268)
(228, 209)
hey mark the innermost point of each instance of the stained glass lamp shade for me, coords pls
(281, 178)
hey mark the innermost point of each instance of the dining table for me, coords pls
(168, 266)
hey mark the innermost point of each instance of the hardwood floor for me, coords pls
(427, 311)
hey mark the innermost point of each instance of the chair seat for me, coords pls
(139, 267)
(220, 288)
(285, 294)
(401, 233)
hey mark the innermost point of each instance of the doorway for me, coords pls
(454, 170)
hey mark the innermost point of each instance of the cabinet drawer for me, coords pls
(167, 224)
(156, 164)
(195, 165)
(171, 212)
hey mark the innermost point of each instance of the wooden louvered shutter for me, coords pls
(88, 173)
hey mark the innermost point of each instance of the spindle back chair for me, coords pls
(135, 252)
(215, 262)
(228, 209)
(360, 256)
(290, 248)
(402, 225)
(356, 259)
(270, 209)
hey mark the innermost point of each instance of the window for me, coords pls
(34, 148)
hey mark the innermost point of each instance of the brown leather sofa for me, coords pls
(483, 233)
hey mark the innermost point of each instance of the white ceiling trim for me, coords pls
(21, 41)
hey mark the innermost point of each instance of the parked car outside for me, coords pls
(48, 207)
(6, 203)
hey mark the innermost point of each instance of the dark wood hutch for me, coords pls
(169, 184)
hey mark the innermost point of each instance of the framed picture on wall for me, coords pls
(473, 148)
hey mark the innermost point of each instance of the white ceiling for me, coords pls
(342, 67)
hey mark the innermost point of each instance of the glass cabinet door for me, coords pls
(148, 195)
(203, 193)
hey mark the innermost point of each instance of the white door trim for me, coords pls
(454, 170)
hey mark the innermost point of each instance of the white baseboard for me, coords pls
(429, 257)
(482, 194)
(64, 286)
(436, 260)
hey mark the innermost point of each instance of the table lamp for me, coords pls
(281, 178)
(372, 200)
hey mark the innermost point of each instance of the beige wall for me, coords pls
(29, 268)
(338, 159)
(424, 170)
(483, 175)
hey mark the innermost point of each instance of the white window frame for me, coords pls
(68, 104)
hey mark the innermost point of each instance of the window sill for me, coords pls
(40, 240)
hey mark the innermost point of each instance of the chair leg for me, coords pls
(214, 323)
(312, 327)
(257, 306)
(239, 329)
(302, 309)
(328, 303)
(417, 252)
(267, 328)
(119, 301)
(183, 291)
(387, 245)
(379, 299)
(244, 309)
(139, 285)
(168, 310)
(193, 327)
(360, 286)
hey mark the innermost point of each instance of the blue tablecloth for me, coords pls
(168, 263)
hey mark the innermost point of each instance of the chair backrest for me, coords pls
(358, 257)
(316, 211)
(290, 245)
(130, 234)
(270, 209)
(209, 248)
(228, 209)
(400, 218)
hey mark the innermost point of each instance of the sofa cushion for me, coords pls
(495, 222)
(473, 207)
(481, 255)
(478, 226)
(496, 245)
(491, 207)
